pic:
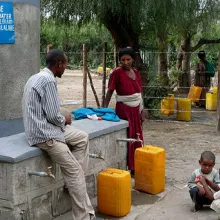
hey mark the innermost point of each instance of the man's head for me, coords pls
(207, 162)
(56, 61)
(202, 55)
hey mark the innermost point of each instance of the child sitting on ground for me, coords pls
(204, 182)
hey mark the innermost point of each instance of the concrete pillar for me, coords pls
(19, 60)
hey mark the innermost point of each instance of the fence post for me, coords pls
(218, 100)
(93, 88)
(49, 47)
(104, 73)
(115, 56)
(84, 77)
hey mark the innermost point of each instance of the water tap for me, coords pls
(49, 172)
(138, 137)
(42, 174)
(139, 140)
(97, 155)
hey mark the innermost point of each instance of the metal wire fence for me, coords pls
(172, 110)
(198, 114)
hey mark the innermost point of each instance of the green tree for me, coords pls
(192, 17)
(129, 21)
(70, 39)
(123, 18)
(158, 19)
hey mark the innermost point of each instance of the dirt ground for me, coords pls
(183, 142)
(70, 89)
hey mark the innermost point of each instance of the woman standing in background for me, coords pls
(204, 71)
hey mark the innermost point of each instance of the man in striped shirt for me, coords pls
(47, 129)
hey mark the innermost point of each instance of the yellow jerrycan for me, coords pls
(211, 101)
(183, 109)
(167, 105)
(150, 169)
(195, 93)
(114, 192)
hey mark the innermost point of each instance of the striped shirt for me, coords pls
(41, 110)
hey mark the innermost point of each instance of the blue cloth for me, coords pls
(107, 114)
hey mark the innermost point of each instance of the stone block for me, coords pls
(111, 149)
(91, 185)
(6, 188)
(41, 207)
(40, 163)
(20, 212)
(7, 214)
(20, 178)
(95, 166)
(23, 211)
(61, 201)
(99, 145)
(122, 165)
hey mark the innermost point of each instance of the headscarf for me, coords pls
(126, 51)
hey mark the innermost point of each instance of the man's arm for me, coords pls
(50, 105)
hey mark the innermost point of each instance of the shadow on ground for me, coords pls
(138, 199)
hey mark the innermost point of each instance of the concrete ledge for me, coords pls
(98, 128)
(15, 148)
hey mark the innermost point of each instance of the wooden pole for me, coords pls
(84, 77)
(104, 74)
(49, 47)
(115, 56)
(93, 88)
(218, 100)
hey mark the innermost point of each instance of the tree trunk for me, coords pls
(185, 55)
(186, 69)
(179, 60)
(124, 35)
(218, 100)
(139, 65)
(162, 59)
(115, 56)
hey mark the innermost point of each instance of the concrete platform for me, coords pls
(42, 198)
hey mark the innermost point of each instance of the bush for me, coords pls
(70, 38)
(153, 94)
